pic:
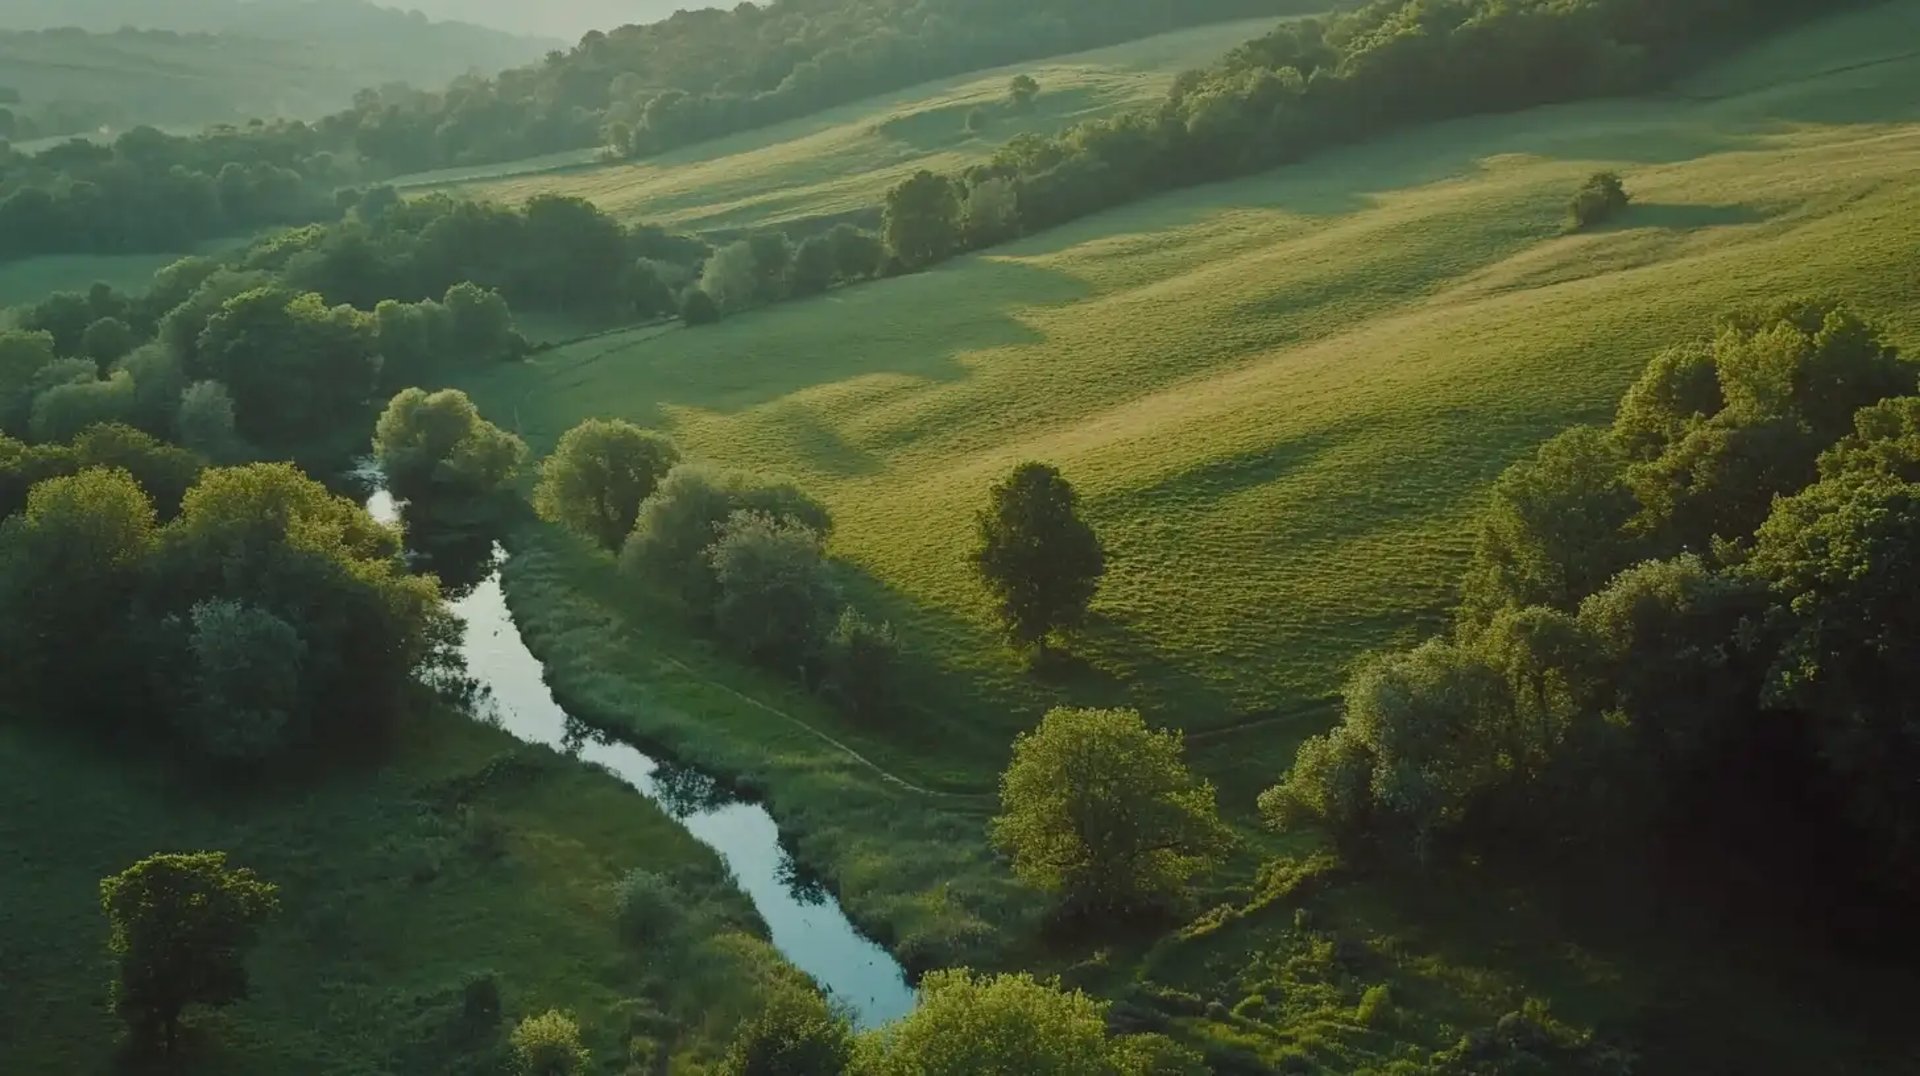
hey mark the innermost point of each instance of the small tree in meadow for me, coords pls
(1021, 92)
(180, 927)
(775, 595)
(862, 663)
(1603, 196)
(1042, 562)
(1103, 812)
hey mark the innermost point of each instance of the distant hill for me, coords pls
(217, 61)
(567, 19)
(562, 20)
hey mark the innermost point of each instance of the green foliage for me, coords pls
(795, 1034)
(732, 278)
(243, 683)
(1104, 813)
(180, 928)
(647, 910)
(1600, 199)
(921, 222)
(1039, 559)
(107, 341)
(774, 597)
(1022, 90)
(813, 269)
(599, 475)
(861, 660)
(549, 1045)
(856, 254)
(699, 308)
(967, 1024)
(297, 369)
(23, 356)
(204, 422)
(63, 411)
(437, 444)
(684, 517)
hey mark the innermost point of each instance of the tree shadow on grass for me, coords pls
(1681, 218)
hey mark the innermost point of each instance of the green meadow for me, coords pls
(843, 160)
(468, 855)
(1283, 400)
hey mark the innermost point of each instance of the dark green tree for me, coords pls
(180, 928)
(1041, 561)
(921, 221)
(1603, 196)
(437, 444)
(793, 1034)
(774, 597)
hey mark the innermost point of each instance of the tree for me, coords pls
(969, 1024)
(698, 308)
(180, 928)
(1602, 196)
(1104, 812)
(649, 291)
(793, 1033)
(812, 271)
(856, 254)
(991, 213)
(774, 594)
(549, 1045)
(862, 665)
(684, 518)
(1040, 560)
(297, 369)
(243, 701)
(23, 357)
(1021, 91)
(732, 277)
(436, 444)
(204, 422)
(598, 476)
(61, 412)
(107, 341)
(921, 221)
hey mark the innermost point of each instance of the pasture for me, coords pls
(841, 161)
(468, 855)
(1283, 400)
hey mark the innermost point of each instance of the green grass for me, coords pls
(843, 160)
(386, 906)
(30, 280)
(1283, 400)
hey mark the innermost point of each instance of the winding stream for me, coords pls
(806, 922)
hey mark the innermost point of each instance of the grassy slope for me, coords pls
(843, 160)
(385, 908)
(1283, 400)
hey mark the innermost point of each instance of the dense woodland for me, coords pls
(1682, 631)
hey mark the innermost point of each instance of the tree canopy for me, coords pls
(1040, 560)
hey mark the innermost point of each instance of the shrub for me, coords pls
(793, 1034)
(862, 666)
(599, 475)
(549, 1045)
(774, 594)
(1603, 196)
(438, 443)
(646, 907)
(244, 700)
(698, 308)
(684, 516)
(204, 422)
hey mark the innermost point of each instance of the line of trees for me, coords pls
(1316, 83)
(1692, 621)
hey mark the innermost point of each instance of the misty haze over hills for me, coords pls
(564, 20)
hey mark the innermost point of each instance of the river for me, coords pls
(807, 924)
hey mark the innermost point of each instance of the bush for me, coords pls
(243, 684)
(549, 1045)
(698, 308)
(861, 666)
(203, 422)
(438, 444)
(793, 1034)
(774, 595)
(60, 413)
(684, 517)
(1603, 196)
(647, 910)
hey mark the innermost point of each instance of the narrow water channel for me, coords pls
(806, 922)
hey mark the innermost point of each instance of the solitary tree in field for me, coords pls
(1102, 811)
(598, 475)
(1022, 90)
(181, 926)
(921, 224)
(1042, 562)
(1603, 196)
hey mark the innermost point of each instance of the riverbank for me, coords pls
(465, 856)
(908, 860)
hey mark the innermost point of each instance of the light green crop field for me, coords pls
(466, 854)
(844, 159)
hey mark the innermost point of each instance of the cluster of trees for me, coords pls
(1315, 83)
(701, 74)
(744, 554)
(1694, 617)
(435, 447)
(769, 267)
(242, 615)
(151, 191)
